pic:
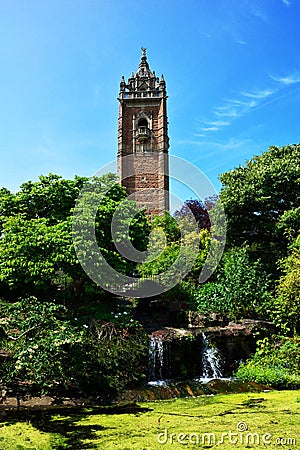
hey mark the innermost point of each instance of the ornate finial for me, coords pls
(122, 84)
(143, 70)
(162, 83)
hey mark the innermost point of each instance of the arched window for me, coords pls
(143, 122)
(142, 132)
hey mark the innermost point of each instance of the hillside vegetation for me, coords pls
(60, 331)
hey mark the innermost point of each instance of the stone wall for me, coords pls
(145, 176)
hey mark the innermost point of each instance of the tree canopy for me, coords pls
(37, 254)
(258, 195)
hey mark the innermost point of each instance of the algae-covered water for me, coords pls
(253, 420)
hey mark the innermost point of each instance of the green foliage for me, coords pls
(286, 311)
(37, 255)
(52, 198)
(289, 223)
(34, 255)
(209, 298)
(50, 349)
(185, 290)
(122, 351)
(205, 243)
(275, 363)
(51, 345)
(276, 377)
(45, 348)
(257, 195)
(98, 345)
(166, 244)
(240, 288)
(168, 225)
(101, 201)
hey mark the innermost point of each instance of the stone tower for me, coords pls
(143, 140)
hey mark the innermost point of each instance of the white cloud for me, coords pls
(286, 2)
(216, 123)
(258, 94)
(216, 148)
(228, 111)
(222, 108)
(257, 11)
(209, 129)
(240, 103)
(236, 102)
(248, 101)
(290, 79)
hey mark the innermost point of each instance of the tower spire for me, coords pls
(144, 69)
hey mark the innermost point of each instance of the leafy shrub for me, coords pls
(277, 377)
(276, 363)
(240, 289)
(48, 349)
(286, 311)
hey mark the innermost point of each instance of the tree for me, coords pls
(55, 329)
(173, 239)
(240, 289)
(257, 195)
(246, 285)
(51, 197)
(289, 223)
(37, 254)
(199, 209)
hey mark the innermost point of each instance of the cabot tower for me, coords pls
(143, 140)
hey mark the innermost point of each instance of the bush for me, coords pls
(286, 311)
(277, 377)
(241, 288)
(276, 363)
(50, 350)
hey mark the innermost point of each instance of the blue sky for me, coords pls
(232, 70)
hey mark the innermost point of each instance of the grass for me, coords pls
(272, 420)
(20, 435)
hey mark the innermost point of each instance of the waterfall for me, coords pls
(165, 360)
(211, 360)
(156, 359)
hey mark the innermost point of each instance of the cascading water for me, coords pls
(211, 360)
(156, 359)
(165, 358)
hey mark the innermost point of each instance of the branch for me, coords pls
(23, 334)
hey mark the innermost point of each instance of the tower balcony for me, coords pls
(140, 94)
(143, 134)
